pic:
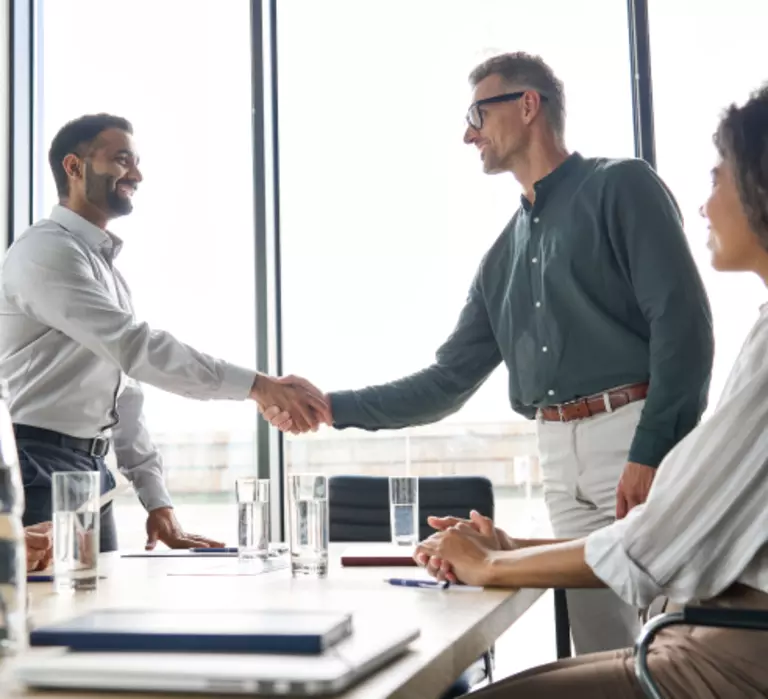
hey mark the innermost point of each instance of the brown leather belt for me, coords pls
(594, 405)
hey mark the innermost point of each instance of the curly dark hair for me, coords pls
(741, 140)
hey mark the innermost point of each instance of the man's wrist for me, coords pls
(158, 508)
(259, 388)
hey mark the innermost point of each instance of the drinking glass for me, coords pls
(76, 517)
(252, 518)
(308, 519)
(404, 510)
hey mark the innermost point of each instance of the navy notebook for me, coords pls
(241, 631)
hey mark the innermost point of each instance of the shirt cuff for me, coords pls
(344, 409)
(605, 554)
(649, 448)
(150, 487)
(236, 383)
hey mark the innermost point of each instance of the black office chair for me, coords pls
(359, 505)
(748, 619)
(358, 511)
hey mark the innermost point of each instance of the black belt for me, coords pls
(94, 447)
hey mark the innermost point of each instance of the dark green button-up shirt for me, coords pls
(591, 287)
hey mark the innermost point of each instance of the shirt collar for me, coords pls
(547, 183)
(98, 240)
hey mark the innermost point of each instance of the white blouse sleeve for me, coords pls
(706, 517)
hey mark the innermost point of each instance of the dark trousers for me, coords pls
(38, 461)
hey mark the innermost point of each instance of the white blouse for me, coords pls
(705, 523)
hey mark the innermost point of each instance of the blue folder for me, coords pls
(240, 631)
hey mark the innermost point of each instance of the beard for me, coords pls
(101, 191)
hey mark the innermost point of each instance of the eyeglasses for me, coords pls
(475, 113)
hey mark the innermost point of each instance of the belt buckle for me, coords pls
(561, 413)
(99, 447)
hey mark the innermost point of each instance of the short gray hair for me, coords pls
(533, 73)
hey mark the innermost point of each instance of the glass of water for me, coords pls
(252, 518)
(404, 510)
(308, 518)
(76, 515)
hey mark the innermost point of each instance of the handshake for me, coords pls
(291, 404)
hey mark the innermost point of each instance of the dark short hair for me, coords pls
(523, 70)
(77, 137)
(741, 140)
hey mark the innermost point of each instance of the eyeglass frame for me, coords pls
(506, 97)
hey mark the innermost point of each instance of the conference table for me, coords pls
(457, 625)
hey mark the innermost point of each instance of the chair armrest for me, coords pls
(752, 619)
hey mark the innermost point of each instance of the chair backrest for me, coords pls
(359, 505)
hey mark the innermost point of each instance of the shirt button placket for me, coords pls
(536, 283)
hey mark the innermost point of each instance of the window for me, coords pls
(180, 71)
(386, 213)
(721, 56)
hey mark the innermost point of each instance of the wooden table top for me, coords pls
(457, 625)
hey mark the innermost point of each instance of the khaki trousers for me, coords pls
(581, 464)
(687, 662)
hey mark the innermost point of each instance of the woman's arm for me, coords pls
(463, 553)
(541, 565)
(525, 543)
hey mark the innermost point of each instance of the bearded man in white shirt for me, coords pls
(73, 351)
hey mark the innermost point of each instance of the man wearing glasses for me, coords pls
(591, 298)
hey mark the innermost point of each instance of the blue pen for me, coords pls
(212, 550)
(410, 582)
(47, 577)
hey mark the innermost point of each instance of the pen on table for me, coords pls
(215, 550)
(411, 582)
(48, 577)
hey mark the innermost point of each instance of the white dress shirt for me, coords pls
(72, 350)
(705, 523)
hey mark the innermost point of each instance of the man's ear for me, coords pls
(531, 105)
(72, 165)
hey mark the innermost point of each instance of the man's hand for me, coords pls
(633, 487)
(311, 408)
(39, 543)
(162, 525)
(458, 554)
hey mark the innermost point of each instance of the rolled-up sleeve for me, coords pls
(706, 518)
(605, 553)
